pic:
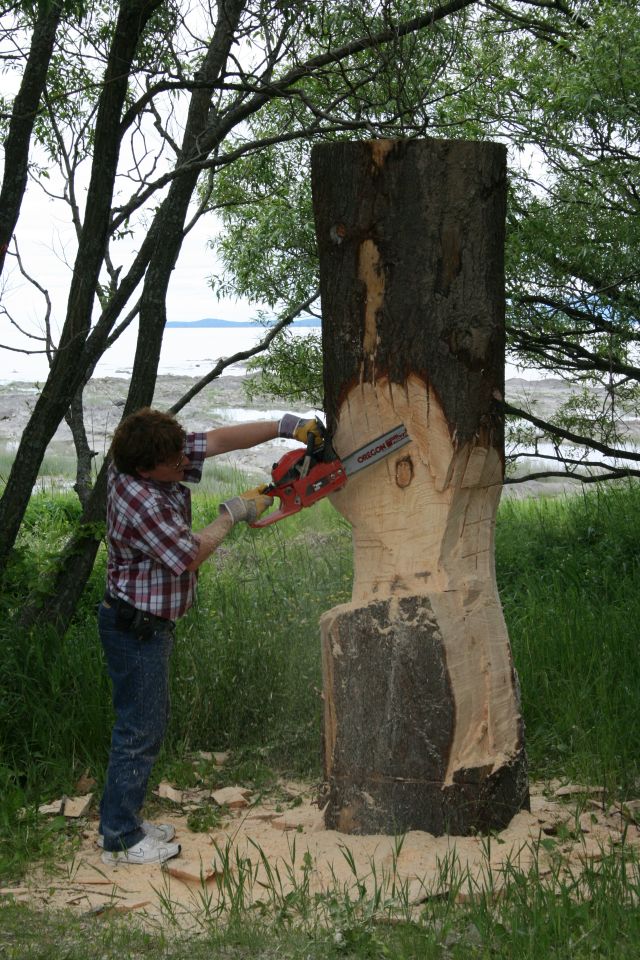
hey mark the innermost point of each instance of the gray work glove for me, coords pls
(297, 428)
(248, 506)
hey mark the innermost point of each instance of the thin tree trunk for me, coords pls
(23, 116)
(79, 555)
(70, 364)
(84, 454)
(423, 728)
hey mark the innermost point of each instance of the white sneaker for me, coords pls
(148, 850)
(159, 831)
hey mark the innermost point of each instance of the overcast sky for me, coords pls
(44, 236)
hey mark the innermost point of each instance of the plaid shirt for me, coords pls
(150, 543)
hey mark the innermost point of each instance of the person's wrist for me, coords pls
(288, 425)
(239, 509)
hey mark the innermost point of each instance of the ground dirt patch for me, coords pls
(263, 854)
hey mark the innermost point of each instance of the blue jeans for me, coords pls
(139, 671)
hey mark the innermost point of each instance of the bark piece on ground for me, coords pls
(305, 820)
(75, 807)
(168, 792)
(191, 871)
(578, 789)
(231, 797)
(52, 809)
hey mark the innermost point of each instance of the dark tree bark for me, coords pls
(23, 115)
(423, 728)
(84, 454)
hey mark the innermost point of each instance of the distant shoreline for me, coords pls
(218, 323)
(220, 403)
(224, 401)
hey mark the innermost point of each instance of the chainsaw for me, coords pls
(308, 474)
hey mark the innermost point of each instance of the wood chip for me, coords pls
(630, 810)
(262, 816)
(123, 906)
(309, 820)
(51, 809)
(587, 822)
(196, 795)
(77, 806)
(232, 797)
(575, 789)
(167, 792)
(93, 879)
(191, 871)
(591, 850)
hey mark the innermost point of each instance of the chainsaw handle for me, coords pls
(289, 503)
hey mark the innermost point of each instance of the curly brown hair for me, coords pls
(146, 438)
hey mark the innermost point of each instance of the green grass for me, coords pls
(247, 667)
(532, 919)
(246, 670)
(246, 677)
(569, 572)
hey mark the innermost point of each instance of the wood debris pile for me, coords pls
(569, 827)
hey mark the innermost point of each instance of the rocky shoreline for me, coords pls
(224, 401)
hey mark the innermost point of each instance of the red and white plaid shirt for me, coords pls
(150, 543)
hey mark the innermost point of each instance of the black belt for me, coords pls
(129, 611)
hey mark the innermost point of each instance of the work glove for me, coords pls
(248, 506)
(297, 428)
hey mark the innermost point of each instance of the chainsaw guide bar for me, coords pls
(376, 450)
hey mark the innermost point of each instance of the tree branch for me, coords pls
(612, 474)
(225, 362)
(243, 110)
(557, 431)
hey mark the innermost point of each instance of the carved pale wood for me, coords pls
(422, 728)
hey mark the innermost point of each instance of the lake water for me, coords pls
(185, 352)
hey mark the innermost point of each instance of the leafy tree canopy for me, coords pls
(559, 83)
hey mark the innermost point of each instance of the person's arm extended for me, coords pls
(243, 435)
(209, 539)
(240, 436)
(247, 507)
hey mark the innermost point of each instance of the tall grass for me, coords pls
(247, 667)
(246, 670)
(569, 577)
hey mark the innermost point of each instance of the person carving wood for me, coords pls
(153, 561)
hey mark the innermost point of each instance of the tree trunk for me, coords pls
(23, 117)
(84, 454)
(76, 562)
(423, 728)
(69, 366)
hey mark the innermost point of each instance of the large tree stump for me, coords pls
(423, 728)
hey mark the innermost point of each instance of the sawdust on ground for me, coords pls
(265, 852)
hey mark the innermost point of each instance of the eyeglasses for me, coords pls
(179, 463)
